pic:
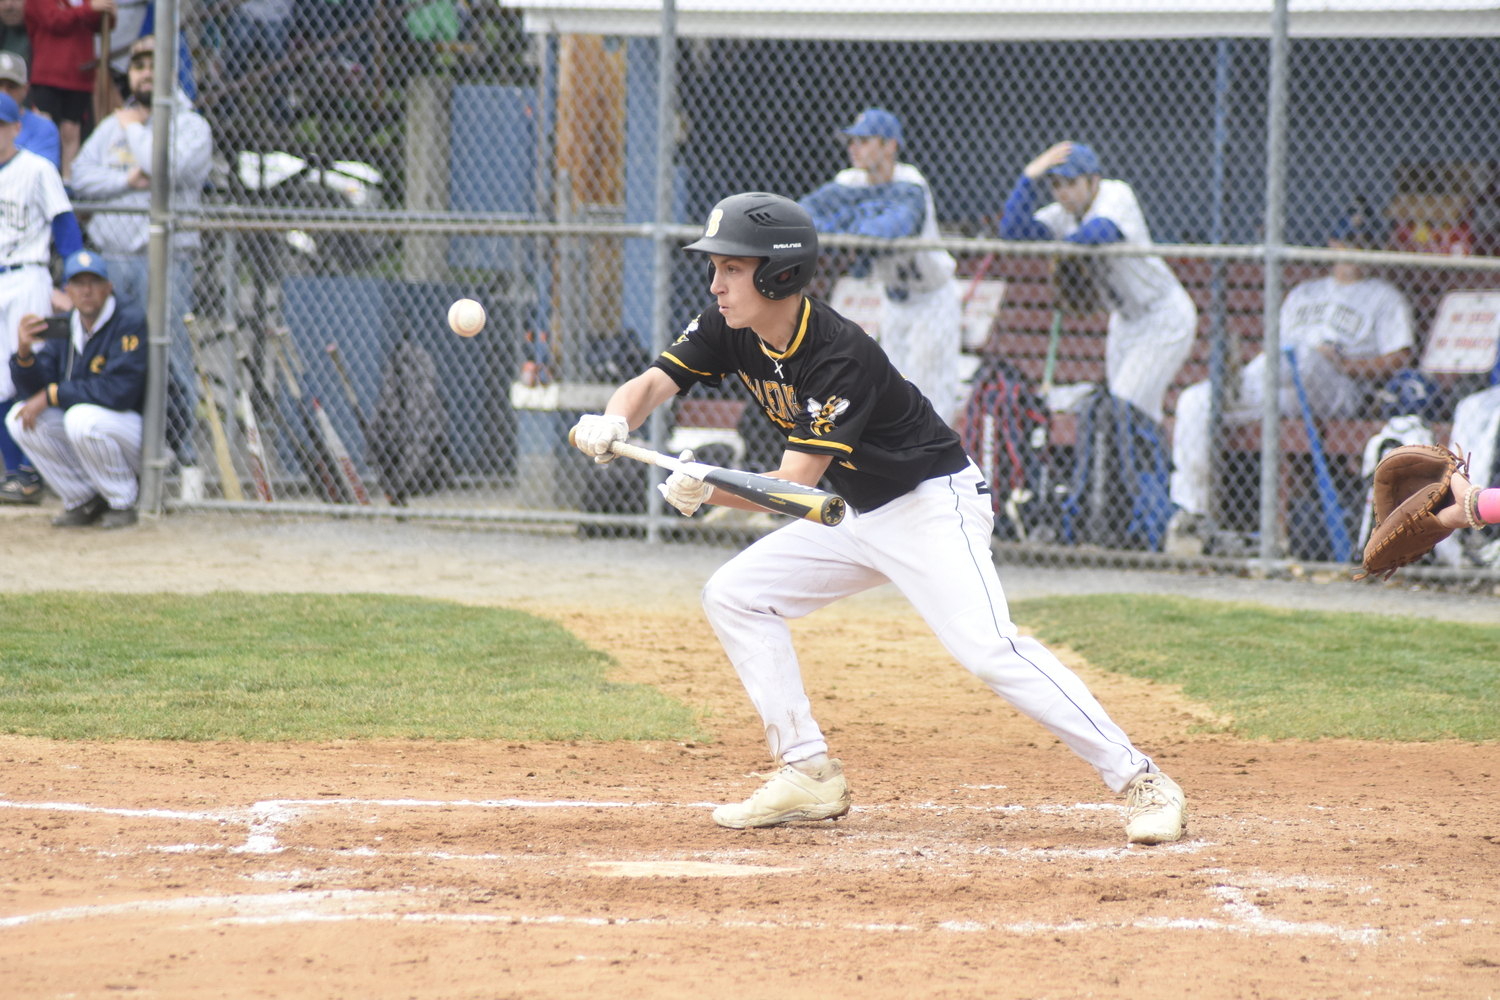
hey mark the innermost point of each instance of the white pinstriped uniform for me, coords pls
(31, 196)
(83, 451)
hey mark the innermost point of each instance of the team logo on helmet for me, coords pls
(824, 414)
(713, 222)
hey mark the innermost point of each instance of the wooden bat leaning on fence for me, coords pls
(778, 495)
(229, 480)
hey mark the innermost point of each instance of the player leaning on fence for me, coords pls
(919, 517)
(877, 196)
(1152, 319)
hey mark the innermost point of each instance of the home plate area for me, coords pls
(576, 888)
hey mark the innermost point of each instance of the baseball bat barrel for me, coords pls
(779, 495)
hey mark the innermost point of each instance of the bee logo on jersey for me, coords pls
(824, 414)
(682, 339)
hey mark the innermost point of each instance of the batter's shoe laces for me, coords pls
(1155, 810)
(791, 794)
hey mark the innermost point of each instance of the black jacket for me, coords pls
(109, 372)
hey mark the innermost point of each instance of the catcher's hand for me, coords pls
(1073, 289)
(1414, 485)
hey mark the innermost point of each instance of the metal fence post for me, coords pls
(159, 260)
(1270, 414)
(661, 290)
(1222, 365)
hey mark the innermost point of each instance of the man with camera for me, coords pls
(83, 377)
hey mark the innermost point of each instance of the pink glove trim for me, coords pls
(1489, 506)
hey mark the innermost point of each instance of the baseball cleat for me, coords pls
(24, 487)
(790, 795)
(1156, 810)
(83, 515)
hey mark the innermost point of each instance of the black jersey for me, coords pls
(831, 392)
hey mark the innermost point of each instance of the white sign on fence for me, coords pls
(1465, 334)
(863, 300)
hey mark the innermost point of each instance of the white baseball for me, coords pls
(466, 317)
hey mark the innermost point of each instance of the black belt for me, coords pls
(7, 268)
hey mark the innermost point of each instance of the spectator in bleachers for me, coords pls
(81, 421)
(37, 133)
(1349, 333)
(877, 196)
(62, 43)
(13, 37)
(114, 167)
(1152, 319)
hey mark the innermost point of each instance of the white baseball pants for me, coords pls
(86, 451)
(1330, 393)
(934, 545)
(1143, 355)
(28, 290)
(922, 336)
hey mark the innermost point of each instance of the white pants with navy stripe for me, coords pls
(1143, 355)
(934, 545)
(86, 451)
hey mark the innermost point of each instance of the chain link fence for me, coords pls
(374, 162)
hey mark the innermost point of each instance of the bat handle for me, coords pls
(625, 450)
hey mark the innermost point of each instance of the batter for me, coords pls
(919, 517)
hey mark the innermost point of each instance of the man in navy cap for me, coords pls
(878, 196)
(1152, 319)
(81, 419)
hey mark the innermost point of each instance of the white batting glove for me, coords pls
(683, 491)
(595, 432)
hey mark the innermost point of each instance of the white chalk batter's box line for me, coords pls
(265, 818)
(341, 905)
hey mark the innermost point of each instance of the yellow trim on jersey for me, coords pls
(668, 355)
(796, 341)
(825, 444)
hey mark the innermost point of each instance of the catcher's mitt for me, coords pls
(1073, 289)
(1412, 484)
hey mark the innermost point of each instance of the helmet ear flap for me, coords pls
(709, 267)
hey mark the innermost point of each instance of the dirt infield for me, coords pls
(981, 859)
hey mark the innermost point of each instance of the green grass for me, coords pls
(302, 666)
(1292, 674)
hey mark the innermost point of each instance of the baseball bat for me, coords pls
(322, 458)
(779, 495)
(359, 414)
(257, 459)
(1333, 511)
(229, 480)
(340, 454)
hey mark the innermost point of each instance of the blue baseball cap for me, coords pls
(1081, 160)
(83, 262)
(10, 111)
(877, 122)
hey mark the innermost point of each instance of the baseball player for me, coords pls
(81, 420)
(1346, 330)
(1152, 319)
(877, 196)
(34, 209)
(919, 517)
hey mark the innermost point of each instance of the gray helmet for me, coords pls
(768, 226)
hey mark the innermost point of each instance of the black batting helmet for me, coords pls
(768, 226)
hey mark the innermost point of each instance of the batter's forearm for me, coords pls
(637, 398)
